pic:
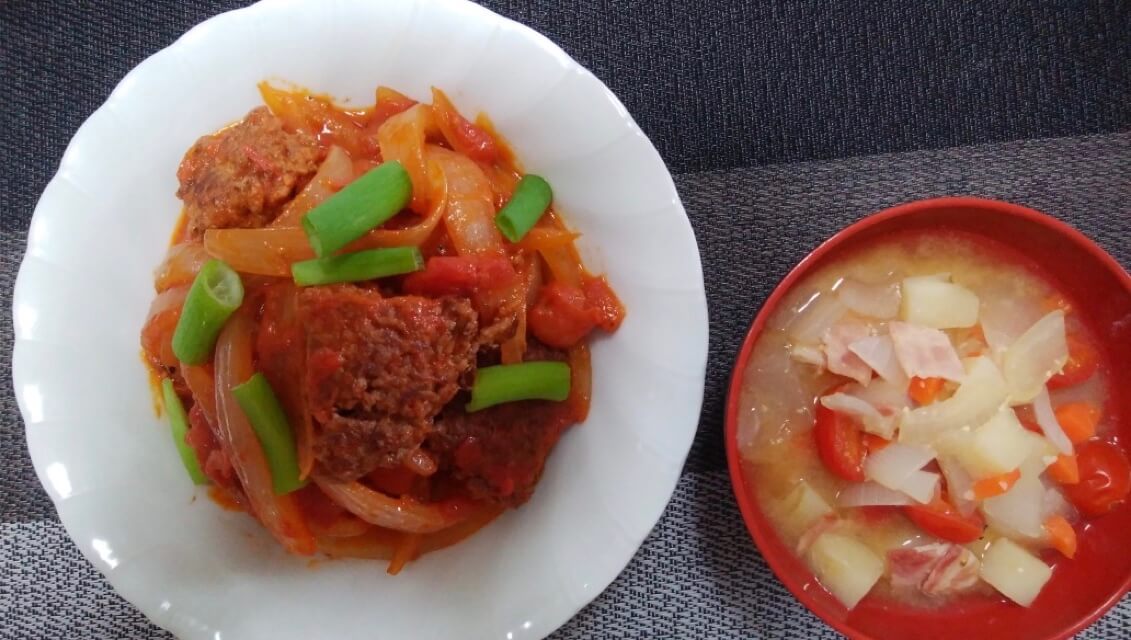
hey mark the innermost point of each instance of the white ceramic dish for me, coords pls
(102, 224)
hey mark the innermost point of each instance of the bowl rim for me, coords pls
(747, 504)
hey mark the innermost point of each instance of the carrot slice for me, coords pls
(1061, 535)
(925, 390)
(1079, 420)
(874, 443)
(996, 485)
(406, 552)
(1065, 470)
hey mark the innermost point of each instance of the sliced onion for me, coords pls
(977, 399)
(838, 358)
(181, 264)
(402, 138)
(335, 172)
(878, 352)
(1018, 512)
(280, 514)
(815, 317)
(873, 420)
(888, 398)
(870, 494)
(1035, 357)
(879, 301)
(1046, 419)
(377, 508)
(895, 463)
(925, 352)
(959, 484)
(808, 354)
(470, 214)
(1055, 504)
(921, 486)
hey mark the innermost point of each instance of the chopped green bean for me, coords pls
(179, 421)
(526, 381)
(531, 198)
(361, 205)
(215, 294)
(355, 267)
(269, 421)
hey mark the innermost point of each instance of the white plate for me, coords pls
(101, 227)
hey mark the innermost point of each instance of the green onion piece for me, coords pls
(360, 206)
(354, 267)
(179, 421)
(525, 381)
(215, 294)
(531, 198)
(269, 421)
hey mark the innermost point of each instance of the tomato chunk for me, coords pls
(1105, 478)
(940, 519)
(562, 316)
(460, 275)
(469, 139)
(840, 443)
(1083, 360)
(608, 308)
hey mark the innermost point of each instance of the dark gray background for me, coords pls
(782, 121)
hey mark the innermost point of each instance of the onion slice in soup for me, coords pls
(871, 494)
(1046, 419)
(1036, 356)
(978, 398)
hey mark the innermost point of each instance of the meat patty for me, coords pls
(500, 452)
(240, 176)
(378, 371)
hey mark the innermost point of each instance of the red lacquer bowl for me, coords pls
(1082, 589)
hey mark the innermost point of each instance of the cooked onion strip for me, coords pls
(215, 294)
(180, 266)
(279, 514)
(377, 508)
(335, 172)
(363, 205)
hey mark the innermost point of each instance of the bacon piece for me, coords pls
(925, 352)
(840, 359)
(936, 569)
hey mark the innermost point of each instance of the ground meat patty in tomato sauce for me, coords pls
(378, 370)
(500, 452)
(240, 176)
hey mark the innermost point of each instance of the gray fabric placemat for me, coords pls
(697, 575)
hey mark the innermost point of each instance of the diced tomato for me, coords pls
(397, 481)
(460, 275)
(608, 308)
(469, 139)
(562, 316)
(1083, 360)
(1105, 478)
(940, 519)
(840, 443)
(389, 103)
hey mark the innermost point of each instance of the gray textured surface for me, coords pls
(697, 575)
